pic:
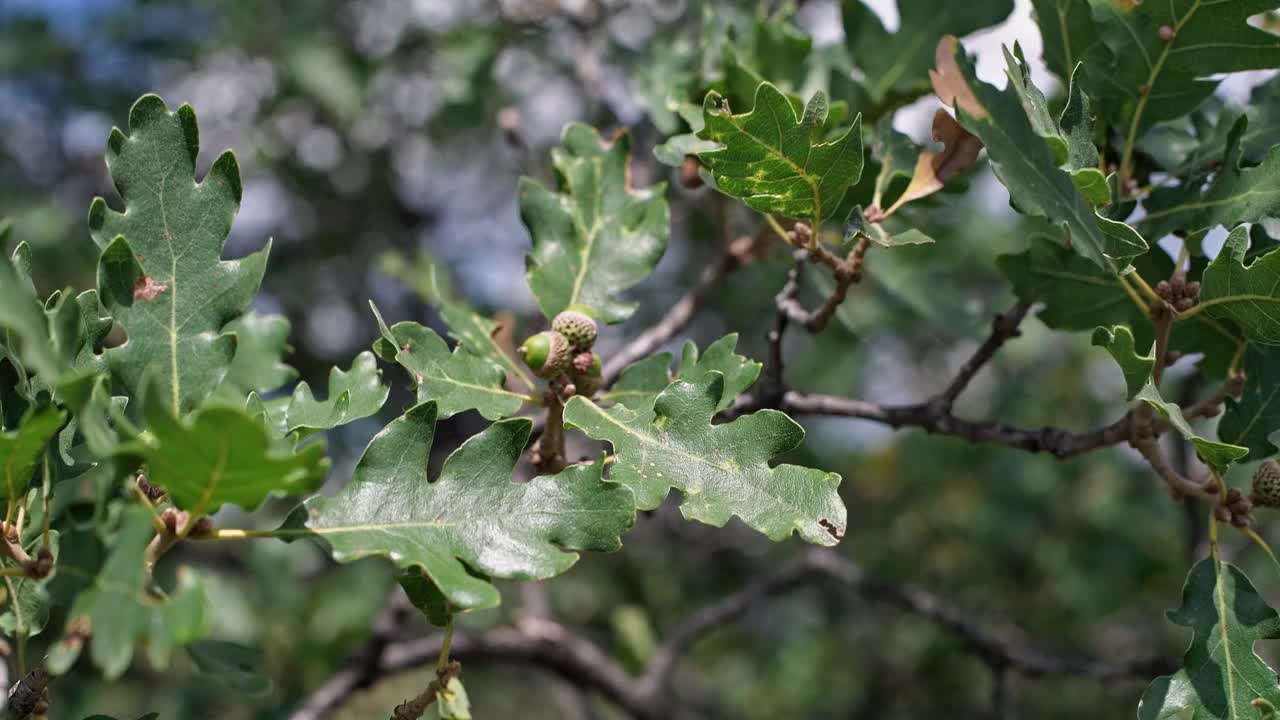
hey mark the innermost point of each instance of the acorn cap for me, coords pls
(547, 354)
(577, 327)
(1266, 485)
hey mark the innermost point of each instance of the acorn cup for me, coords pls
(547, 354)
(577, 326)
(1266, 485)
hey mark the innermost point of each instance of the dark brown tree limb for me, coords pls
(414, 708)
(363, 667)
(934, 417)
(580, 661)
(1003, 329)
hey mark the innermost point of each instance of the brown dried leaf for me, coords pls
(934, 169)
(949, 83)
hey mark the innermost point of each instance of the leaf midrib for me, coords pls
(800, 172)
(758, 489)
(1221, 598)
(175, 378)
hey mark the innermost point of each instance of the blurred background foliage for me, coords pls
(365, 127)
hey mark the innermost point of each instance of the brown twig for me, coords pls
(676, 319)
(548, 451)
(935, 418)
(846, 272)
(936, 415)
(363, 667)
(1003, 328)
(786, 297)
(414, 709)
(550, 646)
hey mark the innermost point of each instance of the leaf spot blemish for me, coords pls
(831, 528)
(147, 289)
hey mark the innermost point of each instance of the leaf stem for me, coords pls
(1133, 295)
(777, 228)
(1131, 138)
(1199, 307)
(443, 662)
(1144, 287)
(1213, 533)
(1257, 539)
(1164, 324)
(47, 482)
(13, 572)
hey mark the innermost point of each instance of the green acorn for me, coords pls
(586, 373)
(577, 326)
(547, 354)
(1266, 485)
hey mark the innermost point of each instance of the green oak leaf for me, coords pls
(161, 274)
(1236, 195)
(353, 394)
(598, 236)
(640, 382)
(1076, 125)
(898, 63)
(1221, 675)
(1189, 147)
(678, 147)
(1118, 340)
(897, 156)
(261, 340)
(78, 329)
(739, 373)
(856, 224)
(473, 331)
(1077, 294)
(23, 316)
(475, 334)
(1248, 295)
(768, 158)
(426, 597)
(1070, 36)
(1024, 163)
(1034, 103)
(218, 455)
(722, 470)
(22, 450)
(1217, 455)
(1250, 420)
(121, 609)
(457, 381)
(1152, 79)
(473, 520)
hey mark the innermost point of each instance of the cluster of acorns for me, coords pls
(563, 353)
